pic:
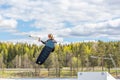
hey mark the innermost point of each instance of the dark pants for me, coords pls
(43, 55)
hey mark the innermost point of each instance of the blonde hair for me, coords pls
(50, 36)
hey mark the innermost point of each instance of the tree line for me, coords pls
(77, 55)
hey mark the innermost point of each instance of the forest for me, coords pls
(78, 55)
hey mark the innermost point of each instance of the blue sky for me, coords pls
(67, 20)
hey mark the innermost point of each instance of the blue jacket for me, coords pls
(50, 43)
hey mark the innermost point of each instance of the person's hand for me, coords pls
(39, 39)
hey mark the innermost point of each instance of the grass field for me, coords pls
(45, 73)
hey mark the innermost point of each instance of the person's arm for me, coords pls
(41, 41)
(54, 46)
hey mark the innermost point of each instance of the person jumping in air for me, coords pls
(47, 49)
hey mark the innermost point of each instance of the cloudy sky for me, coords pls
(68, 20)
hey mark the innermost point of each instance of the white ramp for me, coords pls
(95, 76)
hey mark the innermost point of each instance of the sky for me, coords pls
(67, 20)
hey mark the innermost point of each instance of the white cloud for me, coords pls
(88, 17)
(8, 23)
(114, 23)
(30, 41)
(108, 28)
(75, 10)
(57, 11)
